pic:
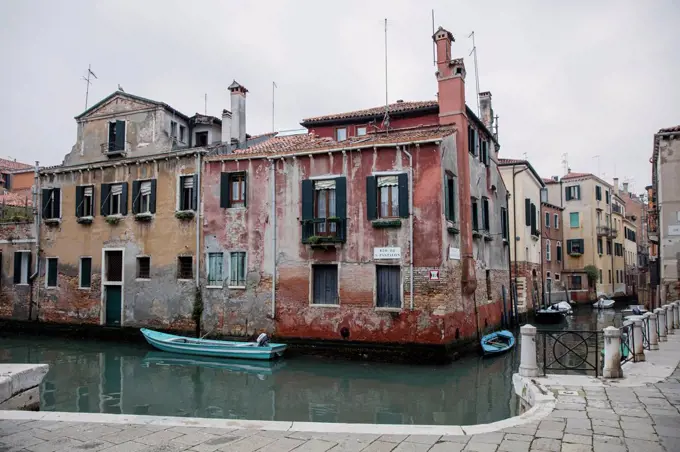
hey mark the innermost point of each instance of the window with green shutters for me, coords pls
(324, 210)
(85, 279)
(534, 220)
(504, 223)
(527, 212)
(575, 247)
(450, 197)
(233, 189)
(485, 214)
(52, 271)
(572, 192)
(114, 199)
(51, 203)
(84, 201)
(144, 196)
(387, 196)
(22, 266)
(558, 247)
(598, 193)
(116, 142)
(475, 213)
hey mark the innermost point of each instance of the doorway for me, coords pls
(112, 290)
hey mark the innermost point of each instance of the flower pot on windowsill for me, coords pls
(184, 214)
(52, 221)
(113, 219)
(451, 227)
(144, 217)
(487, 236)
(476, 234)
(386, 223)
(85, 220)
(574, 254)
(321, 241)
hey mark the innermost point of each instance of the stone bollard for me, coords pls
(638, 344)
(661, 322)
(669, 319)
(612, 353)
(528, 366)
(676, 312)
(653, 333)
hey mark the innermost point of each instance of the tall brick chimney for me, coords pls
(486, 110)
(451, 98)
(238, 112)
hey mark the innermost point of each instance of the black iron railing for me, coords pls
(570, 352)
(319, 231)
(645, 333)
(627, 343)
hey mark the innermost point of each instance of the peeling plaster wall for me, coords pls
(161, 301)
(669, 206)
(439, 316)
(15, 298)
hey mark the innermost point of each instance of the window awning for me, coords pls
(388, 181)
(145, 188)
(324, 184)
(116, 189)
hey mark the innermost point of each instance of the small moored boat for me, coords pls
(634, 309)
(497, 342)
(261, 349)
(603, 303)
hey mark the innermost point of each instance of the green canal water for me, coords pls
(105, 377)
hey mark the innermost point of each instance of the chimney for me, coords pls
(226, 126)
(238, 112)
(616, 185)
(487, 111)
(625, 187)
(556, 178)
(450, 78)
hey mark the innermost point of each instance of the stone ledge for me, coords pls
(19, 385)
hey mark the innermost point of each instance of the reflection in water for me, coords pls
(114, 378)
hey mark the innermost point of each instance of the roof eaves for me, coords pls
(339, 119)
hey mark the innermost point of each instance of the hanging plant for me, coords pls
(184, 214)
(113, 219)
(144, 217)
(386, 223)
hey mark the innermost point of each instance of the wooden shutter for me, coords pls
(85, 272)
(475, 221)
(56, 193)
(46, 192)
(106, 199)
(17, 267)
(504, 223)
(534, 229)
(120, 136)
(325, 284)
(341, 197)
(124, 199)
(152, 198)
(79, 201)
(559, 254)
(307, 199)
(225, 189)
(447, 213)
(136, 201)
(527, 211)
(389, 287)
(567, 193)
(245, 189)
(598, 192)
(485, 207)
(194, 198)
(403, 195)
(371, 198)
(578, 192)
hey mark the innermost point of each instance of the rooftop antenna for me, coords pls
(474, 51)
(525, 156)
(496, 124)
(434, 56)
(205, 110)
(386, 119)
(87, 80)
(565, 163)
(273, 87)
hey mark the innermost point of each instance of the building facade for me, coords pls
(553, 253)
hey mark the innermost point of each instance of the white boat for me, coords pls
(634, 309)
(604, 303)
(563, 307)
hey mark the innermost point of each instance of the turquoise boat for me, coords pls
(261, 349)
(497, 342)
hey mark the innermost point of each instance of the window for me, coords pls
(182, 134)
(145, 196)
(572, 192)
(557, 221)
(116, 141)
(325, 206)
(504, 223)
(475, 220)
(576, 282)
(534, 220)
(238, 270)
(547, 275)
(618, 249)
(51, 280)
(527, 211)
(185, 267)
(485, 213)
(85, 201)
(7, 179)
(599, 246)
(606, 196)
(547, 220)
(598, 193)
(388, 196)
(617, 277)
(173, 129)
(114, 266)
(201, 139)
(215, 263)
(558, 246)
(488, 285)
(85, 279)
(361, 131)
(116, 199)
(557, 276)
(574, 220)
(341, 134)
(600, 276)
(51, 203)
(609, 247)
(187, 192)
(143, 267)
(233, 190)
(575, 246)
(472, 141)
(22, 265)
(485, 152)
(450, 198)
(325, 284)
(388, 279)
(610, 276)
(547, 250)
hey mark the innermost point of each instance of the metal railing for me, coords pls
(570, 352)
(318, 231)
(627, 343)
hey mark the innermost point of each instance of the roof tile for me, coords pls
(670, 129)
(397, 107)
(13, 165)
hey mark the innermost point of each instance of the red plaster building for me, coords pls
(553, 254)
(375, 230)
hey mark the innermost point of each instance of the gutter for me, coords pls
(36, 220)
(198, 221)
(272, 181)
(410, 219)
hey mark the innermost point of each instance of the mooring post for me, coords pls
(528, 366)
(612, 353)
(638, 344)
(653, 333)
(676, 315)
(669, 319)
(661, 322)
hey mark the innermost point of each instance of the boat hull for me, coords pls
(205, 347)
(504, 336)
(604, 304)
(549, 316)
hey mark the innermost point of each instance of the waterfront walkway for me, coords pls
(603, 418)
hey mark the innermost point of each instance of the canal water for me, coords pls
(105, 377)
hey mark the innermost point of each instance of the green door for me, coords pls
(112, 301)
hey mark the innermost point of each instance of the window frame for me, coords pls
(25, 258)
(558, 251)
(240, 179)
(330, 228)
(557, 221)
(578, 220)
(358, 128)
(230, 283)
(143, 196)
(52, 203)
(547, 250)
(179, 267)
(450, 197)
(390, 205)
(118, 196)
(138, 268)
(335, 134)
(547, 220)
(80, 273)
(202, 133)
(312, 293)
(210, 282)
(486, 221)
(47, 273)
(180, 193)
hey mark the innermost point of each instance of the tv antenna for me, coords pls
(87, 80)
(386, 119)
(434, 55)
(205, 110)
(274, 86)
(474, 52)
(565, 163)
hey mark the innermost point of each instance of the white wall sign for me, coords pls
(389, 252)
(434, 275)
(454, 253)
(674, 229)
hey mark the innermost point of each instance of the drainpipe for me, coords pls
(37, 205)
(514, 224)
(198, 220)
(410, 217)
(272, 179)
(510, 291)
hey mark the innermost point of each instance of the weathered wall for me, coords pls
(395, 123)
(163, 300)
(552, 267)
(15, 298)
(669, 221)
(22, 181)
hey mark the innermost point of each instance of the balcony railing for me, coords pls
(109, 148)
(607, 231)
(319, 231)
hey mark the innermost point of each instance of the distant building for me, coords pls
(553, 247)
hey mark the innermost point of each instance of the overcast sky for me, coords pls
(580, 77)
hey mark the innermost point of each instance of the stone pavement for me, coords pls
(598, 419)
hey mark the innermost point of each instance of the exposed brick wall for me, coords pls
(15, 299)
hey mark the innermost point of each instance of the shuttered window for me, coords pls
(85, 201)
(450, 198)
(475, 215)
(387, 196)
(388, 279)
(233, 189)
(527, 211)
(215, 264)
(559, 252)
(22, 265)
(188, 192)
(485, 214)
(238, 269)
(325, 284)
(85, 272)
(144, 196)
(52, 264)
(51, 203)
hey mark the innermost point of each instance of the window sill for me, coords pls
(85, 220)
(476, 234)
(487, 236)
(185, 214)
(534, 237)
(321, 305)
(114, 219)
(385, 223)
(51, 287)
(451, 227)
(144, 217)
(52, 221)
(575, 254)
(22, 284)
(142, 279)
(237, 287)
(505, 242)
(214, 287)
(185, 279)
(236, 208)
(388, 309)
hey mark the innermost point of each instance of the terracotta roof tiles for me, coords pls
(576, 175)
(397, 107)
(13, 165)
(670, 129)
(16, 198)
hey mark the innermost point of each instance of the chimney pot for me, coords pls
(238, 112)
(400, 101)
(556, 178)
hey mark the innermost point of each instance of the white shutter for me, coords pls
(145, 188)
(116, 189)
